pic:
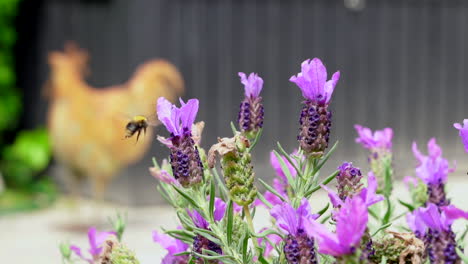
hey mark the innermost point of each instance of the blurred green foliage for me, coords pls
(22, 163)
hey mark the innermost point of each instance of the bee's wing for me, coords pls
(153, 120)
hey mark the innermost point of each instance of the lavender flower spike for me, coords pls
(315, 120)
(201, 242)
(463, 132)
(433, 225)
(251, 111)
(380, 139)
(185, 158)
(433, 170)
(173, 246)
(351, 223)
(299, 247)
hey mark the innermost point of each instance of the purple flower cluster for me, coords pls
(299, 246)
(315, 119)
(380, 140)
(185, 159)
(433, 224)
(251, 111)
(433, 170)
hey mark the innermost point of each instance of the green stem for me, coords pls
(250, 224)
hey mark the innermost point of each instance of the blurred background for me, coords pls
(403, 65)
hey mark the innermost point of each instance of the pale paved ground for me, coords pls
(32, 238)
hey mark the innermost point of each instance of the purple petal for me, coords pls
(197, 219)
(252, 85)
(372, 141)
(285, 217)
(334, 198)
(219, 209)
(166, 110)
(431, 216)
(96, 239)
(453, 213)
(327, 241)
(463, 132)
(77, 251)
(351, 222)
(172, 245)
(415, 223)
(188, 113)
(317, 74)
(275, 163)
(330, 86)
(268, 248)
(368, 194)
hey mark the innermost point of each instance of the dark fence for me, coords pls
(403, 65)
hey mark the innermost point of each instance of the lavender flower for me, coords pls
(173, 246)
(351, 223)
(251, 111)
(349, 180)
(433, 170)
(379, 143)
(185, 158)
(368, 194)
(96, 239)
(463, 132)
(201, 242)
(299, 247)
(433, 225)
(315, 120)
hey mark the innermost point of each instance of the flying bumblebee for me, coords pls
(136, 125)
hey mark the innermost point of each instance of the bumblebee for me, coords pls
(136, 125)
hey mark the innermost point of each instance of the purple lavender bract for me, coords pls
(433, 224)
(173, 246)
(250, 117)
(463, 132)
(433, 170)
(185, 159)
(299, 246)
(315, 120)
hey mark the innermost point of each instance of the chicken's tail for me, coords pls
(152, 80)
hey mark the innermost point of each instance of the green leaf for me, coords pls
(286, 155)
(388, 213)
(407, 205)
(207, 234)
(272, 190)
(321, 212)
(463, 235)
(186, 196)
(255, 141)
(212, 199)
(222, 188)
(384, 260)
(325, 158)
(324, 182)
(383, 227)
(233, 128)
(325, 219)
(388, 178)
(245, 244)
(285, 169)
(230, 222)
(461, 255)
(185, 253)
(263, 199)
